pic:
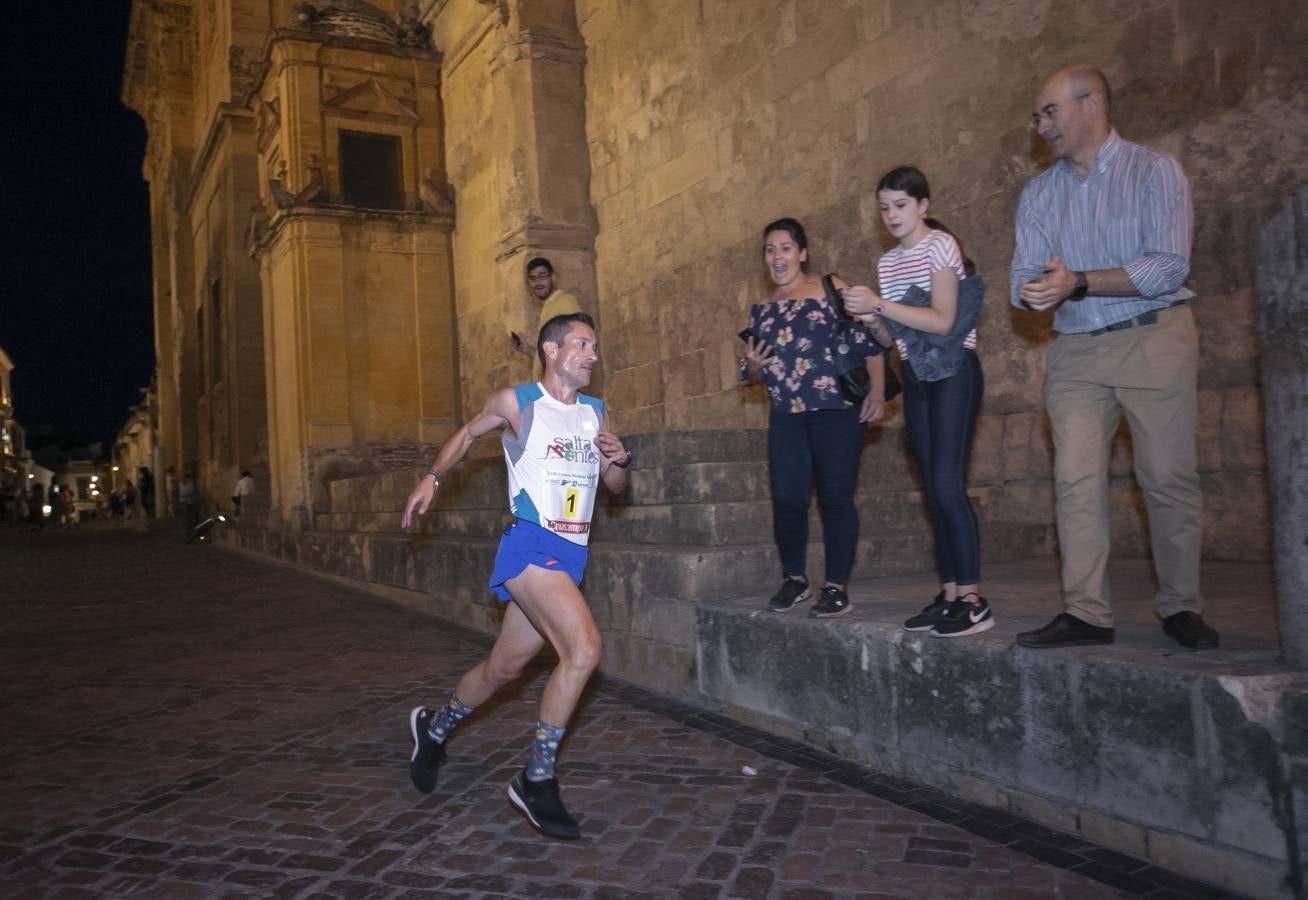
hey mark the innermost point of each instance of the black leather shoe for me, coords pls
(1190, 630)
(1066, 630)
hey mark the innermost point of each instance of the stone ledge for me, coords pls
(1174, 757)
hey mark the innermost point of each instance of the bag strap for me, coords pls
(833, 296)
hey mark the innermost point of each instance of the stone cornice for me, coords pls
(536, 233)
(340, 212)
(279, 35)
(552, 44)
(226, 112)
(471, 41)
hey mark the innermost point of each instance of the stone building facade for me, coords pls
(302, 220)
(642, 146)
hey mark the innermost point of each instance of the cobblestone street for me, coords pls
(182, 721)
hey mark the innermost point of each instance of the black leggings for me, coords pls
(822, 446)
(941, 417)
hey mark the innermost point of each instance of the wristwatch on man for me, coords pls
(1082, 286)
(626, 462)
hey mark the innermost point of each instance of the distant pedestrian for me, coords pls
(186, 501)
(145, 478)
(129, 499)
(8, 499)
(170, 491)
(21, 517)
(64, 506)
(244, 487)
(36, 507)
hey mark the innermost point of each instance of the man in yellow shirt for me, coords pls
(540, 281)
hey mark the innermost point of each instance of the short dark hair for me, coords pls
(557, 328)
(246, 474)
(539, 262)
(794, 229)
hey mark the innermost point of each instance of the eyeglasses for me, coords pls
(1050, 111)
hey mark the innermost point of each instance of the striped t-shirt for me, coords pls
(902, 269)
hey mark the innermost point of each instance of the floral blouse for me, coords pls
(800, 375)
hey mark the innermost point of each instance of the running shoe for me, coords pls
(929, 616)
(963, 618)
(833, 602)
(428, 755)
(541, 802)
(792, 592)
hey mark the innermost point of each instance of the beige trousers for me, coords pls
(1150, 373)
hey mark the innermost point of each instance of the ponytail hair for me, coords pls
(969, 267)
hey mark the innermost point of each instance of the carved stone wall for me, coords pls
(706, 121)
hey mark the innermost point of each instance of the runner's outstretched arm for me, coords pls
(500, 411)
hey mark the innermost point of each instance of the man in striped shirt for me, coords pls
(1103, 239)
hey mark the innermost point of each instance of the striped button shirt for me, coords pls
(1132, 212)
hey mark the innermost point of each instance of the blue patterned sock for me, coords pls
(543, 748)
(447, 717)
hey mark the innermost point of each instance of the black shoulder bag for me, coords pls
(851, 370)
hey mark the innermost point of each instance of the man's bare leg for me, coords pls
(558, 612)
(556, 608)
(517, 644)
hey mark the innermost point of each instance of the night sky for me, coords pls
(75, 308)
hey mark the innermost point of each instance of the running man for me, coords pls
(557, 447)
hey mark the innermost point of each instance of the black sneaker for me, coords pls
(963, 618)
(428, 756)
(833, 602)
(792, 592)
(541, 802)
(929, 616)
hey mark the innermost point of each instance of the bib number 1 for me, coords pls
(570, 500)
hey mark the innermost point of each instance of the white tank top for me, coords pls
(553, 462)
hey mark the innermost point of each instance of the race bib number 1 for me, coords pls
(570, 501)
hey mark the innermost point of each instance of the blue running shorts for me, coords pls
(527, 544)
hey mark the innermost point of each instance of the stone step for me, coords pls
(717, 523)
(657, 478)
(1140, 745)
(459, 565)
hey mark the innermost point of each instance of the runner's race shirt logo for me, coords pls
(553, 463)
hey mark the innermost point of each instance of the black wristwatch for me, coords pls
(1082, 286)
(626, 462)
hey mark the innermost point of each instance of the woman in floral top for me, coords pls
(815, 435)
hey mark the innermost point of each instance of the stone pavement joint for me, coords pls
(184, 722)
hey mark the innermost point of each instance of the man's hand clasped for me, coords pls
(1050, 289)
